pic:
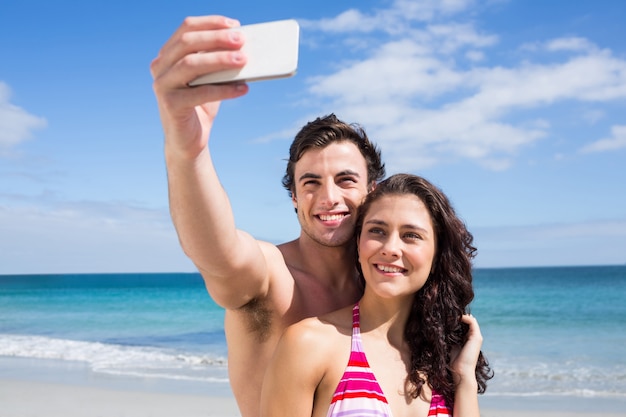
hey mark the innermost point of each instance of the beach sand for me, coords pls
(45, 399)
(49, 388)
(35, 399)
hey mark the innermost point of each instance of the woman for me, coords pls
(407, 348)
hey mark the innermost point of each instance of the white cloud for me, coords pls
(475, 55)
(413, 94)
(451, 37)
(593, 116)
(570, 44)
(429, 9)
(586, 78)
(86, 237)
(616, 141)
(16, 124)
(349, 21)
(392, 20)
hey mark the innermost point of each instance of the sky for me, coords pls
(516, 109)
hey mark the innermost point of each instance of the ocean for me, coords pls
(556, 334)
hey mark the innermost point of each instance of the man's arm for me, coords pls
(230, 261)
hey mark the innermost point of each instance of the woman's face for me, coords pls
(397, 245)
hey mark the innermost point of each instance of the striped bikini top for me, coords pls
(358, 394)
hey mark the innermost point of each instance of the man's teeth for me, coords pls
(392, 269)
(331, 217)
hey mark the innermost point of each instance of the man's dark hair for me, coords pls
(329, 129)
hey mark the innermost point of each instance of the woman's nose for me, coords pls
(392, 246)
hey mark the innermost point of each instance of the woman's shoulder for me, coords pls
(322, 342)
(320, 332)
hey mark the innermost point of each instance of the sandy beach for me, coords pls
(34, 399)
(20, 398)
(59, 388)
(53, 388)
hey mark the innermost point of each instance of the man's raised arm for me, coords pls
(230, 260)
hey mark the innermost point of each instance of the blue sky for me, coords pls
(516, 109)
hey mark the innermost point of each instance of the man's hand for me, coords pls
(199, 46)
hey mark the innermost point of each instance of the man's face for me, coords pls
(330, 184)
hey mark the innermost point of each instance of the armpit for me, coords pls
(258, 318)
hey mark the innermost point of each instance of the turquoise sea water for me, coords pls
(548, 331)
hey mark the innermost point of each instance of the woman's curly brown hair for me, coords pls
(434, 326)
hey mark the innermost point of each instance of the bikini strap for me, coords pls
(356, 329)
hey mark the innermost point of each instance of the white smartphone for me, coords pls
(272, 52)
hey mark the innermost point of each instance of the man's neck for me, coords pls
(329, 264)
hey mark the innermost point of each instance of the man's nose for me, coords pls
(329, 195)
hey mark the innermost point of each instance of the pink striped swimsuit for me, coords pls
(358, 394)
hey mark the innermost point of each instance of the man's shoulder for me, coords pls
(286, 260)
(278, 255)
(278, 261)
(289, 249)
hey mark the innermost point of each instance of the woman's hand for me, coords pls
(463, 360)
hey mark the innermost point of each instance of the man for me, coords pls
(263, 288)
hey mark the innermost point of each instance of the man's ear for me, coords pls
(372, 186)
(294, 201)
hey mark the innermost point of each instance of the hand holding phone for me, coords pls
(271, 49)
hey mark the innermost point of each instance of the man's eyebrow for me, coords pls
(345, 173)
(309, 175)
(348, 172)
